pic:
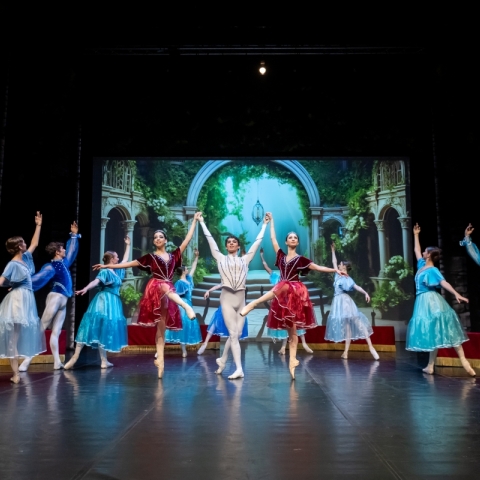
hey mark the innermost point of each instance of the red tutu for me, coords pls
(291, 306)
(155, 302)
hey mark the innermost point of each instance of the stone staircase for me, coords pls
(256, 279)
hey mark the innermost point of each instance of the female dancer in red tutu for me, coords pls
(291, 307)
(159, 304)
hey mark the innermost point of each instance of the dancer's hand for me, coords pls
(261, 250)
(198, 216)
(99, 266)
(460, 299)
(469, 230)
(332, 246)
(38, 219)
(416, 229)
(196, 252)
(127, 240)
(74, 228)
(367, 297)
(206, 295)
(83, 291)
(342, 274)
(268, 217)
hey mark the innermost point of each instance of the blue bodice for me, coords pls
(110, 280)
(19, 274)
(342, 284)
(184, 288)
(428, 279)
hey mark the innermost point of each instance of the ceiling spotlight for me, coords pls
(262, 68)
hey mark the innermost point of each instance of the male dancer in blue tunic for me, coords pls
(58, 272)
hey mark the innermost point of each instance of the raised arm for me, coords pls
(471, 248)
(72, 246)
(190, 233)
(450, 289)
(264, 263)
(41, 278)
(320, 268)
(100, 266)
(36, 235)
(417, 249)
(253, 249)
(216, 254)
(126, 254)
(334, 257)
(273, 236)
(361, 290)
(194, 264)
(216, 287)
(91, 285)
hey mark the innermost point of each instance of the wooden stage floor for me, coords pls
(355, 419)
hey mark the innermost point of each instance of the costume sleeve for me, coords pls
(13, 273)
(280, 255)
(41, 278)
(181, 287)
(472, 249)
(105, 277)
(216, 254)
(71, 250)
(432, 277)
(274, 278)
(177, 257)
(303, 264)
(345, 283)
(253, 249)
(421, 263)
(145, 263)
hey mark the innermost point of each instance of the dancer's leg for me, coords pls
(284, 345)
(184, 349)
(160, 344)
(103, 358)
(222, 361)
(465, 363)
(174, 297)
(370, 346)
(348, 339)
(248, 308)
(75, 356)
(305, 345)
(431, 362)
(293, 338)
(205, 343)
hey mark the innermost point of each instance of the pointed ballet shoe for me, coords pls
(160, 368)
(184, 354)
(70, 363)
(201, 349)
(221, 366)
(58, 366)
(247, 309)
(25, 364)
(16, 378)
(307, 349)
(344, 355)
(374, 353)
(430, 369)
(466, 365)
(293, 363)
(236, 374)
(106, 365)
(282, 351)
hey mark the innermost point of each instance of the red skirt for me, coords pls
(291, 306)
(156, 306)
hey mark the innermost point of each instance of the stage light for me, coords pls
(262, 68)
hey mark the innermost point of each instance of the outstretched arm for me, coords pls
(216, 254)
(273, 236)
(133, 263)
(36, 235)
(194, 264)
(253, 249)
(361, 290)
(334, 257)
(191, 230)
(126, 254)
(417, 249)
(91, 285)
(264, 263)
(41, 278)
(216, 287)
(450, 289)
(320, 268)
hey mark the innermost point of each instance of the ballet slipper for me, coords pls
(247, 309)
(201, 349)
(184, 354)
(236, 374)
(307, 348)
(466, 365)
(70, 363)
(25, 364)
(221, 366)
(293, 363)
(106, 364)
(16, 377)
(58, 366)
(160, 367)
(430, 369)
(282, 351)
(344, 355)
(156, 355)
(374, 353)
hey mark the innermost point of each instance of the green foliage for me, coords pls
(200, 271)
(399, 287)
(130, 298)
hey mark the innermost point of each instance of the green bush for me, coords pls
(130, 298)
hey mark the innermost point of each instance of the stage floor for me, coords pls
(356, 419)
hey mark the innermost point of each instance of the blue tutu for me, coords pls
(190, 333)
(104, 324)
(217, 326)
(434, 323)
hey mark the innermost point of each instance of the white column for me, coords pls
(103, 226)
(381, 245)
(406, 238)
(314, 234)
(144, 232)
(128, 229)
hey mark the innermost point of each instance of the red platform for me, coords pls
(447, 357)
(62, 342)
(383, 339)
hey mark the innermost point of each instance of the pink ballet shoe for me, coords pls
(160, 367)
(344, 355)
(430, 369)
(466, 365)
(16, 378)
(292, 365)
(201, 349)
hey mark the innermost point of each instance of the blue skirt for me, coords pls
(282, 334)
(217, 326)
(434, 324)
(190, 333)
(103, 324)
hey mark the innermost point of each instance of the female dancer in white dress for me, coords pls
(21, 333)
(233, 271)
(346, 322)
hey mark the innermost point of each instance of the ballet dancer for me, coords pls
(282, 334)
(159, 304)
(104, 326)
(291, 307)
(434, 323)
(346, 322)
(57, 272)
(233, 272)
(190, 333)
(21, 334)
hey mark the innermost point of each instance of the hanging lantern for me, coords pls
(258, 212)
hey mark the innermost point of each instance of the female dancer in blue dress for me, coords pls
(104, 326)
(282, 334)
(21, 333)
(190, 333)
(345, 321)
(434, 323)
